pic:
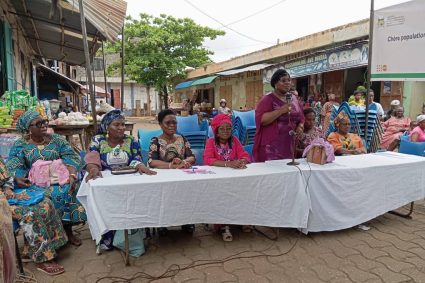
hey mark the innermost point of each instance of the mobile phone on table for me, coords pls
(123, 170)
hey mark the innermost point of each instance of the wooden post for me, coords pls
(104, 74)
(94, 76)
(88, 67)
(122, 68)
(126, 244)
(369, 66)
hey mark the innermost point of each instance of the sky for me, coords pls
(254, 25)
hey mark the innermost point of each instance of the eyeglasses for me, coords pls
(40, 124)
(346, 124)
(172, 122)
(227, 129)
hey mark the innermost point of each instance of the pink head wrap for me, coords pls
(219, 120)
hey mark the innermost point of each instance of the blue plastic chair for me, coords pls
(413, 148)
(187, 124)
(145, 137)
(247, 118)
(199, 155)
(210, 132)
(145, 156)
(248, 148)
(196, 139)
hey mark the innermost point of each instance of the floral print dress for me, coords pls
(41, 224)
(122, 155)
(160, 149)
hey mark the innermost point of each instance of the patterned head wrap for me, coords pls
(342, 117)
(219, 120)
(109, 118)
(25, 120)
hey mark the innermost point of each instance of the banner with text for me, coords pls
(399, 43)
(339, 58)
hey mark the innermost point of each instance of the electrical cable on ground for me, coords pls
(174, 269)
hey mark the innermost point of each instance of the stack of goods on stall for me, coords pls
(73, 118)
(13, 104)
(5, 118)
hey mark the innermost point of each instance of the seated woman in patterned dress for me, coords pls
(47, 222)
(110, 149)
(170, 151)
(345, 143)
(311, 131)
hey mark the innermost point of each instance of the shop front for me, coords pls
(339, 70)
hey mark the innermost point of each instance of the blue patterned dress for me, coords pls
(23, 155)
(125, 154)
(122, 155)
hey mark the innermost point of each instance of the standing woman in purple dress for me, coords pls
(275, 118)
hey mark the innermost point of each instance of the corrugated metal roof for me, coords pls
(44, 68)
(107, 16)
(241, 70)
(56, 33)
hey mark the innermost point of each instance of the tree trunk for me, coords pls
(148, 91)
(160, 100)
(165, 96)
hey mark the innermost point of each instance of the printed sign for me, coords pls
(399, 43)
(335, 59)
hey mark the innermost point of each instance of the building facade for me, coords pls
(331, 61)
(135, 94)
(16, 54)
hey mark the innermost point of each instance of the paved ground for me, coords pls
(393, 250)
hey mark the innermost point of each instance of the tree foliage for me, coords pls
(158, 49)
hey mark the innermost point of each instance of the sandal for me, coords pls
(50, 268)
(225, 233)
(247, 228)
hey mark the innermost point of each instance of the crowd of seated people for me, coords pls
(43, 201)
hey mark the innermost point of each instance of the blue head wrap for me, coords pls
(25, 120)
(109, 118)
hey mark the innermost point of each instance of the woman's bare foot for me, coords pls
(72, 239)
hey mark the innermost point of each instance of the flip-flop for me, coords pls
(225, 233)
(50, 268)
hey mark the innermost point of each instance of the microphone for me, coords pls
(292, 133)
(288, 97)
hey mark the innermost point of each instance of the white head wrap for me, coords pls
(395, 102)
(420, 118)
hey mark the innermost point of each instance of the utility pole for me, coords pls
(122, 69)
(104, 74)
(88, 66)
(369, 67)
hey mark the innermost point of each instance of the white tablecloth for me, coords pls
(355, 189)
(260, 195)
(335, 196)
